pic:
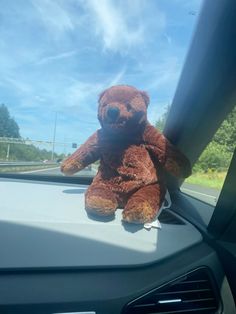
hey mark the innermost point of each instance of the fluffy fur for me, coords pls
(133, 158)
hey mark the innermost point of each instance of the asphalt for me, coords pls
(56, 172)
(205, 194)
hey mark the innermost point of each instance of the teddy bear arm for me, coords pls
(86, 154)
(176, 163)
(172, 160)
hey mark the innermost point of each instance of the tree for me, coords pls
(8, 126)
(160, 124)
(215, 157)
(226, 134)
(21, 151)
(218, 153)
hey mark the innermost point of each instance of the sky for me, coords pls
(57, 56)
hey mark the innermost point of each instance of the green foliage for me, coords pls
(226, 134)
(23, 152)
(28, 153)
(160, 124)
(8, 126)
(3, 151)
(211, 179)
(214, 157)
(217, 155)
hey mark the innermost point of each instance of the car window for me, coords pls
(56, 57)
(210, 170)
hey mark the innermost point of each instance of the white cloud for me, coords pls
(54, 16)
(122, 25)
(17, 84)
(80, 93)
(164, 74)
(57, 57)
(99, 43)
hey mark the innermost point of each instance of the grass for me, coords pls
(211, 179)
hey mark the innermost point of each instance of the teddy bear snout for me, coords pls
(113, 113)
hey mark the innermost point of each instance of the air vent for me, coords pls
(193, 293)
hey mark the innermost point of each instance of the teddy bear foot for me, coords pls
(139, 213)
(100, 206)
(143, 205)
(99, 203)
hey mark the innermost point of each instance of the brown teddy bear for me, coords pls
(133, 157)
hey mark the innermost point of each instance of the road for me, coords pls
(207, 195)
(56, 172)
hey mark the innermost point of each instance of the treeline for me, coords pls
(217, 155)
(19, 152)
(23, 152)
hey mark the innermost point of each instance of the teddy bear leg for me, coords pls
(100, 200)
(144, 204)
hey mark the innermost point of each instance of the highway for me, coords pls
(55, 171)
(207, 195)
(204, 194)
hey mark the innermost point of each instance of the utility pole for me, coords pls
(54, 136)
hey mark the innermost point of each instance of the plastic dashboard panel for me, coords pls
(55, 259)
(45, 225)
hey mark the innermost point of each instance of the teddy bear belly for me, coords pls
(127, 170)
(124, 184)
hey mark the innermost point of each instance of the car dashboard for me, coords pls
(57, 259)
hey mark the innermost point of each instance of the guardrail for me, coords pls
(25, 163)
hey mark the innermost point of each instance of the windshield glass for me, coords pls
(210, 170)
(56, 57)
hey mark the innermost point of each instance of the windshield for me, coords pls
(210, 170)
(56, 57)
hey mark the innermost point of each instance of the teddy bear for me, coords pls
(134, 157)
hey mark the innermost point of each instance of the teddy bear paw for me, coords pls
(100, 206)
(139, 213)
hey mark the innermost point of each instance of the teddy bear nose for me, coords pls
(113, 113)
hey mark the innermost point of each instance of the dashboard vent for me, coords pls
(193, 293)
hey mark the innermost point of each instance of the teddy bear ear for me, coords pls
(145, 97)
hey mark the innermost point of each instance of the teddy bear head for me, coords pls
(122, 109)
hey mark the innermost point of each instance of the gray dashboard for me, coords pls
(46, 225)
(55, 259)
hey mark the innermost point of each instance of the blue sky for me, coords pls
(58, 56)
